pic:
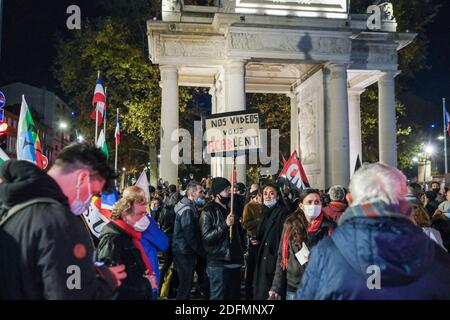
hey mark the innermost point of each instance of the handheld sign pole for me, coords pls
(232, 193)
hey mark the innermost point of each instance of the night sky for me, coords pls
(28, 52)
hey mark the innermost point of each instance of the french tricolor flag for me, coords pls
(117, 133)
(99, 100)
(447, 121)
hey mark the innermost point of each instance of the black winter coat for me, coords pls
(269, 233)
(41, 244)
(216, 237)
(117, 248)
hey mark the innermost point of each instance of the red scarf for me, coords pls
(135, 237)
(285, 250)
(316, 223)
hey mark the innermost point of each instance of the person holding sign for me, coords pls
(224, 255)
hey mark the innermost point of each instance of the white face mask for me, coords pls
(77, 206)
(270, 203)
(142, 224)
(312, 211)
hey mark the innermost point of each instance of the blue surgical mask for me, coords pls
(78, 206)
(199, 202)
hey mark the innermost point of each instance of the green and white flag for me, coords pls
(101, 143)
(3, 156)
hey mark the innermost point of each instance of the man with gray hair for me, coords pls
(377, 252)
(186, 237)
(337, 206)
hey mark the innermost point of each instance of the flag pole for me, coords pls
(232, 193)
(117, 147)
(445, 134)
(96, 115)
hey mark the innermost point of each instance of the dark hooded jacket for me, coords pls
(186, 234)
(269, 233)
(393, 250)
(44, 248)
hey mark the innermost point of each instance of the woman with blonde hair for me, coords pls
(120, 244)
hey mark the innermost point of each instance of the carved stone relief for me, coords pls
(290, 43)
(193, 48)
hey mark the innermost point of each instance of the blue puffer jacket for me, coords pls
(154, 240)
(412, 266)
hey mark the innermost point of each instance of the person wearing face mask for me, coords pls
(436, 188)
(302, 231)
(152, 239)
(155, 208)
(319, 226)
(377, 252)
(120, 244)
(186, 243)
(268, 235)
(42, 234)
(224, 254)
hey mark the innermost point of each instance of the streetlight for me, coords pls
(429, 149)
(415, 159)
(63, 125)
(80, 138)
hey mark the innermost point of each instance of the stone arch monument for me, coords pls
(314, 51)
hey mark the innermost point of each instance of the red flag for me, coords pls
(99, 101)
(100, 117)
(41, 159)
(294, 173)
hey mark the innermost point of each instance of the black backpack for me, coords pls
(167, 219)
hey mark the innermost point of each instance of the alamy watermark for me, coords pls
(374, 279)
(73, 22)
(73, 281)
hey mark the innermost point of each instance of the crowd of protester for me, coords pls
(380, 239)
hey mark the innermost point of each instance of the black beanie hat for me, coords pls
(218, 185)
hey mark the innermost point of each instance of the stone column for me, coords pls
(295, 134)
(387, 128)
(354, 120)
(337, 164)
(212, 93)
(169, 123)
(235, 101)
